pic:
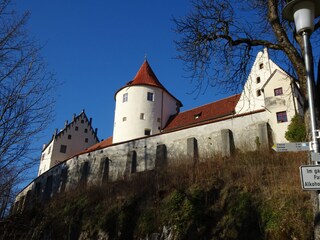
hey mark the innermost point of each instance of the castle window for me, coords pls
(258, 93)
(147, 132)
(158, 119)
(42, 157)
(86, 140)
(258, 79)
(142, 116)
(85, 130)
(49, 150)
(63, 148)
(282, 117)
(261, 66)
(69, 136)
(125, 97)
(82, 121)
(124, 119)
(76, 128)
(278, 91)
(150, 96)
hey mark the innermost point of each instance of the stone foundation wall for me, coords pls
(119, 161)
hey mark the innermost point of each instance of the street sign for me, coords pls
(310, 177)
(315, 157)
(291, 147)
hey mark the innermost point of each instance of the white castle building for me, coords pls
(150, 131)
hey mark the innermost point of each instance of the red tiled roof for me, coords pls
(222, 108)
(105, 143)
(145, 76)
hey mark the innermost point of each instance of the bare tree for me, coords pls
(25, 99)
(219, 37)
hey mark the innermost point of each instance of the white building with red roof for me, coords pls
(143, 106)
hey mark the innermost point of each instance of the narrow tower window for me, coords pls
(142, 116)
(125, 97)
(258, 79)
(150, 96)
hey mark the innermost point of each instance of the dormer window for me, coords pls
(197, 116)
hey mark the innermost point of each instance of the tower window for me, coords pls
(76, 128)
(158, 119)
(147, 132)
(150, 96)
(142, 116)
(278, 91)
(124, 119)
(63, 148)
(282, 117)
(69, 136)
(85, 130)
(86, 140)
(125, 97)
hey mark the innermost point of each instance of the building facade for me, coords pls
(150, 131)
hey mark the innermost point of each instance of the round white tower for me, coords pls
(143, 106)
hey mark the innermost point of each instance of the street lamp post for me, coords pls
(303, 13)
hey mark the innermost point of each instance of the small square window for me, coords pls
(124, 119)
(150, 96)
(147, 132)
(261, 66)
(85, 130)
(278, 91)
(82, 121)
(258, 93)
(76, 128)
(69, 136)
(142, 116)
(158, 119)
(63, 148)
(125, 97)
(282, 117)
(258, 79)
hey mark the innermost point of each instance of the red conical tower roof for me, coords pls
(145, 76)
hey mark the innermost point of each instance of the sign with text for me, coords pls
(310, 177)
(291, 147)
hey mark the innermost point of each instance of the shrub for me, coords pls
(296, 130)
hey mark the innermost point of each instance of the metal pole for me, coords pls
(310, 84)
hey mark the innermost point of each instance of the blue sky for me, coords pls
(96, 47)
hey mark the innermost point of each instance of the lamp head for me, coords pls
(303, 13)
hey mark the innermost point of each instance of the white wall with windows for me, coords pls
(141, 110)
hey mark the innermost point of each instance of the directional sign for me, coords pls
(291, 147)
(310, 177)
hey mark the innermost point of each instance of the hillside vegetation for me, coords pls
(250, 196)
